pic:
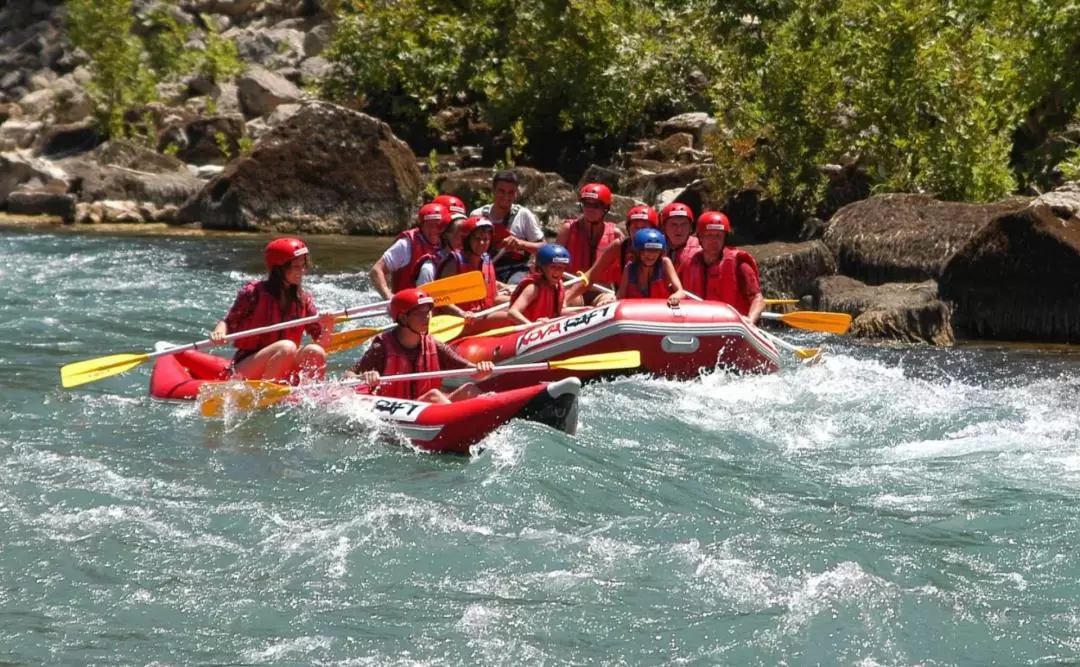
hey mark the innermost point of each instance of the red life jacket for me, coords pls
(719, 282)
(405, 277)
(398, 363)
(268, 311)
(500, 231)
(658, 287)
(583, 255)
(463, 266)
(548, 300)
(683, 254)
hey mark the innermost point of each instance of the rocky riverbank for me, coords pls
(256, 152)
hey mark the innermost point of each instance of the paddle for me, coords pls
(256, 394)
(803, 353)
(443, 328)
(458, 288)
(781, 302)
(836, 323)
(455, 289)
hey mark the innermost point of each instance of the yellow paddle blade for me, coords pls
(810, 355)
(457, 288)
(837, 323)
(781, 302)
(505, 330)
(91, 370)
(607, 361)
(346, 340)
(446, 328)
(217, 397)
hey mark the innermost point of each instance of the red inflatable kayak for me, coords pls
(452, 427)
(674, 342)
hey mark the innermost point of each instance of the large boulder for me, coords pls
(119, 170)
(1016, 279)
(908, 312)
(325, 169)
(905, 237)
(791, 269)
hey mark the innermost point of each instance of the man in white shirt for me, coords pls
(516, 234)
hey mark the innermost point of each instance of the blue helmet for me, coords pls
(552, 253)
(649, 239)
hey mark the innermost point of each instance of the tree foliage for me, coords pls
(923, 95)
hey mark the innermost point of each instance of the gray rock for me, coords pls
(37, 104)
(315, 69)
(327, 169)
(906, 238)
(907, 312)
(18, 134)
(1063, 201)
(260, 91)
(317, 39)
(121, 171)
(39, 202)
(21, 171)
(791, 269)
(698, 124)
(11, 79)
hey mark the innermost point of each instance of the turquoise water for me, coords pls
(888, 507)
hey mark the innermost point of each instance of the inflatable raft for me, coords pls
(451, 428)
(674, 342)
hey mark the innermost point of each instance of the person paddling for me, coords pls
(719, 272)
(651, 275)
(677, 223)
(589, 236)
(278, 298)
(475, 234)
(616, 256)
(399, 266)
(540, 296)
(516, 229)
(408, 348)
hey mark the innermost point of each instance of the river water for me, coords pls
(891, 506)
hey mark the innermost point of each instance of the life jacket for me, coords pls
(719, 282)
(500, 231)
(437, 259)
(583, 255)
(548, 301)
(398, 363)
(487, 269)
(267, 311)
(626, 254)
(683, 254)
(405, 277)
(658, 287)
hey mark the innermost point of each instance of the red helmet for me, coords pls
(283, 250)
(434, 212)
(675, 210)
(595, 192)
(455, 205)
(470, 225)
(642, 212)
(713, 221)
(406, 300)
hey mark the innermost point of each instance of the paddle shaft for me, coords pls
(429, 375)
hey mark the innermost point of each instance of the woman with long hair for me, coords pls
(279, 297)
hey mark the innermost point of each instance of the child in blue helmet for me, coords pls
(651, 275)
(540, 296)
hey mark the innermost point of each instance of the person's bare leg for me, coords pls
(311, 363)
(434, 396)
(465, 392)
(273, 362)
